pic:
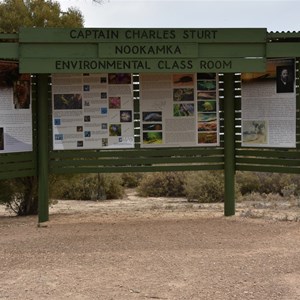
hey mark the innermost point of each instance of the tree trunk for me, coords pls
(29, 201)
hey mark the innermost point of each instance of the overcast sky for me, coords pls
(276, 15)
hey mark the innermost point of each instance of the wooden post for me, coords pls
(229, 145)
(42, 147)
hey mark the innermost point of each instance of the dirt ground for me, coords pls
(152, 248)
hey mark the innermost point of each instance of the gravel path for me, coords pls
(149, 249)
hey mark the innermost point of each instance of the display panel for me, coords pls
(180, 110)
(92, 111)
(15, 109)
(269, 106)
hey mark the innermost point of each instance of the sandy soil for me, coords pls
(152, 248)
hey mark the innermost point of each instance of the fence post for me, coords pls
(229, 145)
(42, 147)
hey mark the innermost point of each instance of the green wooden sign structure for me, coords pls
(228, 52)
(141, 50)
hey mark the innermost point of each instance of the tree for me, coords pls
(21, 193)
(36, 13)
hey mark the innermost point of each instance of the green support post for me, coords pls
(42, 147)
(229, 145)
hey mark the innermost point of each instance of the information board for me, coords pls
(179, 109)
(15, 109)
(269, 106)
(92, 111)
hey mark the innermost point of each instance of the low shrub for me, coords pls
(131, 180)
(88, 187)
(205, 186)
(268, 183)
(19, 195)
(163, 184)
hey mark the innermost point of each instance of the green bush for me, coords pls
(131, 180)
(88, 187)
(248, 182)
(19, 195)
(163, 184)
(205, 186)
(268, 183)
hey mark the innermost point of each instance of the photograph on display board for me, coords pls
(152, 127)
(20, 83)
(207, 126)
(152, 116)
(103, 79)
(206, 85)
(207, 106)
(115, 130)
(125, 116)
(87, 134)
(67, 101)
(184, 110)
(59, 137)
(285, 79)
(183, 80)
(152, 138)
(183, 94)
(9, 73)
(104, 142)
(255, 132)
(202, 95)
(114, 102)
(207, 117)
(119, 78)
(207, 138)
(22, 92)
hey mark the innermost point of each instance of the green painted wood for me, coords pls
(137, 161)
(146, 50)
(52, 50)
(43, 150)
(128, 169)
(264, 161)
(9, 36)
(183, 158)
(279, 153)
(19, 174)
(271, 169)
(160, 152)
(17, 166)
(232, 50)
(9, 51)
(58, 50)
(153, 35)
(16, 157)
(229, 146)
(61, 65)
(283, 49)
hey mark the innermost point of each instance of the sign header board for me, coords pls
(178, 35)
(96, 50)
